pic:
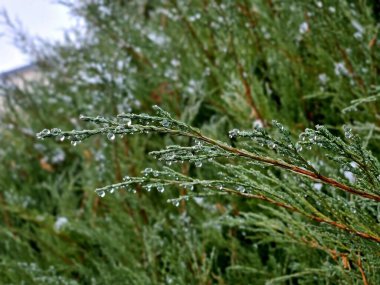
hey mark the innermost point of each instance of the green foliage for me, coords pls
(259, 205)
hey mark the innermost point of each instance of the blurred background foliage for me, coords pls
(214, 64)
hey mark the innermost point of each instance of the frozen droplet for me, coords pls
(101, 193)
(111, 136)
(198, 163)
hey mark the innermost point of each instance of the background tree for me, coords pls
(215, 65)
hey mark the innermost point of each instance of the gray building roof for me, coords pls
(17, 71)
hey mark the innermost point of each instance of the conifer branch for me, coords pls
(164, 123)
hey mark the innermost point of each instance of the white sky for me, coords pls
(43, 18)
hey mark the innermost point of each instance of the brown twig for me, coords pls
(359, 264)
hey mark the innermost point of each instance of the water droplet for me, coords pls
(240, 188)
(198, 163)
(43, 134)
(112, 190)
(127, 121)
(233, 133)
(347, 132)
(171, 156)
(61, 138)
(81, 116)
(348, 135)
(55, 131)
(101, 193)
(165, 123)
(298, 147)
(317, 186)
(74, 143)
(303, 28)
(111, 136)
(160, 188)
(272, 145)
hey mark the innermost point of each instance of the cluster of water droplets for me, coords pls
(188, 186)
(309, 138)
(43, 134)
(110, 189)
(347, 132)
(160, 187)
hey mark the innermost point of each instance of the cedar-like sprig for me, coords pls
(243, 175)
